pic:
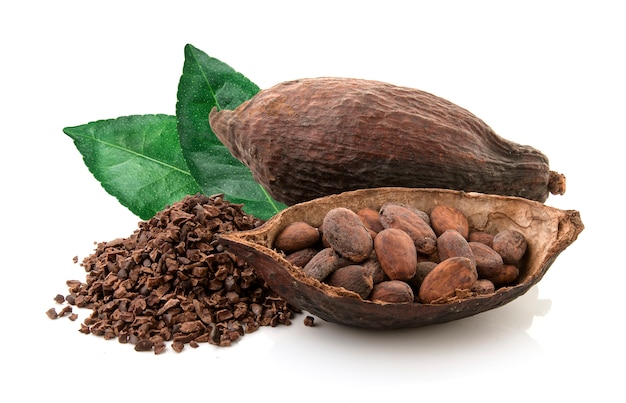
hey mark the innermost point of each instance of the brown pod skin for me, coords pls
(296, 236)
(407, 220)
(308, 138)
(392, 291)
(345, 233)
(323, 263)
(443, 218)
(354, 278)
(488, 261)
(396, 254)
(511, 245)
(455, 273)
(452, 243)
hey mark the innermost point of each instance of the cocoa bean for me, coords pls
(511, 245)
(355, 278)
(443, 218)
(392, 291)
(400, 217)
(483, 286)
(506, 275)
(301, 257)
(323, 263)
(295, 236)
(396, 253)
(370, 218)
(345, 233)
(488, 261)
(452, 243)
(455, 273)
(482, 237)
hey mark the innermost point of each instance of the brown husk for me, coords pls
(548, 230)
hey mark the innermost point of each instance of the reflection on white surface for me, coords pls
(456, 348)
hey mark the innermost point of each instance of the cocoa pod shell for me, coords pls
(309, 138)
(549, 232)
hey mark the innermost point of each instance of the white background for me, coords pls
(545, 73)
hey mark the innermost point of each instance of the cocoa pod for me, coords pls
(455, 273)
(548, 230)
(396, 254)
(296, 236)
(309, 138)
(393, 291)
(345, 233)
(409, 221)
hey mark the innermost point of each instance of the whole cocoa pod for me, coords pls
(309, 138)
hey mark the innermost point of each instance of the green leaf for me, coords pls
(205, 83)
(137, 159)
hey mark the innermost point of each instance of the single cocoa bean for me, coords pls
(355, 278)
(423, 268)
(455, 273)
(323, 263)
(295, 236)
(345, 233)
(488, 261)
(506, 275)
(370, 218)
(482, 237)
(396, 253)
(372, 265)
(452, 243)
(483, 286)
(400, 217)
(511, 245)
(392, 291)
(301, 257)
(443, 218)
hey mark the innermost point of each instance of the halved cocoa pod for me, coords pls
(549, 231)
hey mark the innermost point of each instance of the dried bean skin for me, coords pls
(309, 138)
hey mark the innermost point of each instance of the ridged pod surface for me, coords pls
(309, 138)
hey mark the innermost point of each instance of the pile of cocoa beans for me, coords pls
(400, 254)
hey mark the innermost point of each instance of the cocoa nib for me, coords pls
(171, 281)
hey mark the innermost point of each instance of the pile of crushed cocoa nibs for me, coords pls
(171, 281)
